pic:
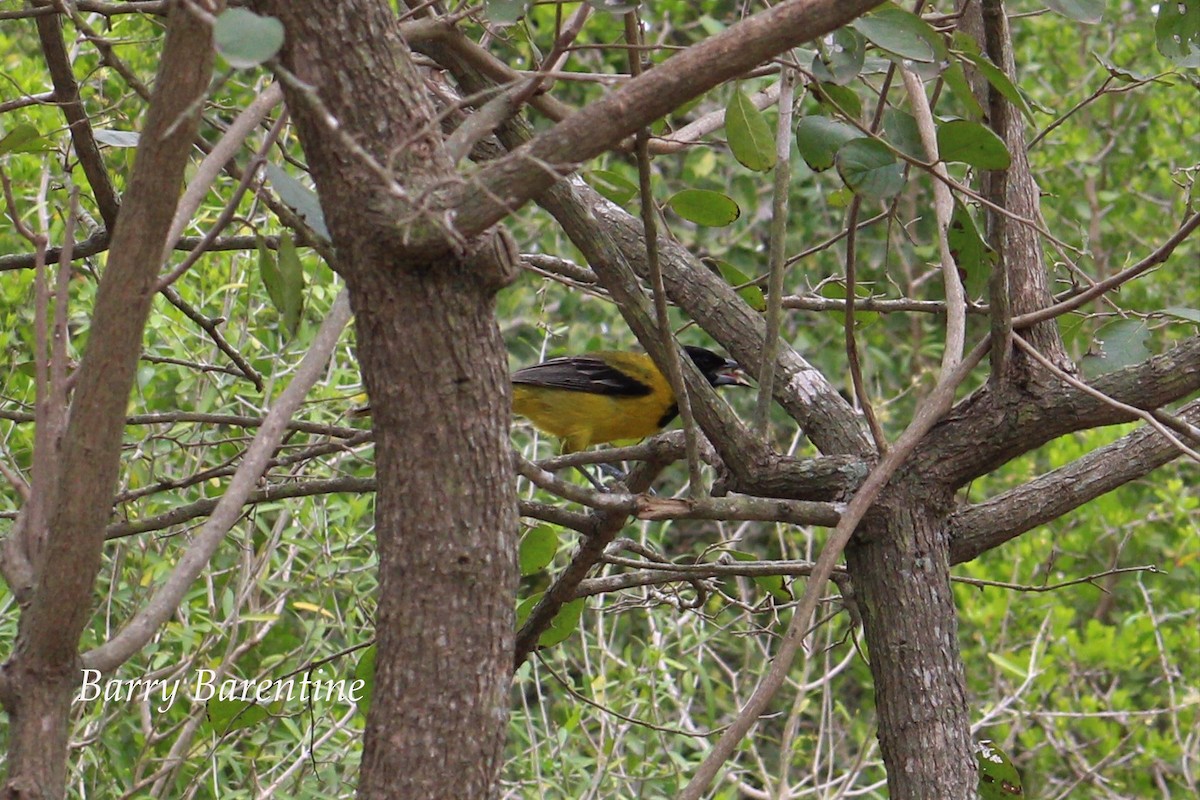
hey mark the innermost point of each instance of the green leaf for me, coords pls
(901, 131)
(612, 185)
(506, 12)
(268, 268)
(1086, 11)
(21, 139)
(998, 778)
(538, 547)
(226, 716)
(836, 290)
(1189, 314)
(749, 292)
(1122, 344)
(971, 253)
(870, 169)
(565, 622)
(300, 198)
(971, 143)
(365, 672)
(1177, 31)
(117, 138)
(900, 32)
(840, 61)
(838, 99)
(819, 138)
(968, 49)
(704, 207)
(246, 39)
(772, 584)
(960, 87)
(749, 134)
(291, 273)
(1008, 665)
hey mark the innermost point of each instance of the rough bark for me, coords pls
(38, 681)
(1016, 189)
(899, 562)
(435, 368)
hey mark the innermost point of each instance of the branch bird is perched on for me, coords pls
(605, 396)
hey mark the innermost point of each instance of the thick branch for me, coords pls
(976, 529)
(92, 445)
(508, 184)
(993, 426)
(66, 93)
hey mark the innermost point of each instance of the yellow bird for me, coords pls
(604, 396)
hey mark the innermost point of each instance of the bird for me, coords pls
(605, 396)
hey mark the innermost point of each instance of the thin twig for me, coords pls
(776, 256)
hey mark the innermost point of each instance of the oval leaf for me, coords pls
(1122, 344)
(819, 138)
(969, 50)
(899, 32)
(245, 39)
(704, 207)
(748, 291)
(749, 134)
(291, 273)
(365, 672)
(21, 139)
(538, 547)
(841, 59)
(565, 622)
(303, 200)
(998, 778)
(971, 143)
(970, 252)
(870, 169)
(1177, 31)
(612, 185)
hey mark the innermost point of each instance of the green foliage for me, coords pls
(246, 39)
(750, 138)
(1060, 679)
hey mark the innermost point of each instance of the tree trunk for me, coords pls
(60, 538)
(899, 561)
(436, 371)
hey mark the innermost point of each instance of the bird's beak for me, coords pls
(731, 374)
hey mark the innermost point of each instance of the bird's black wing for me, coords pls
(581, 374)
